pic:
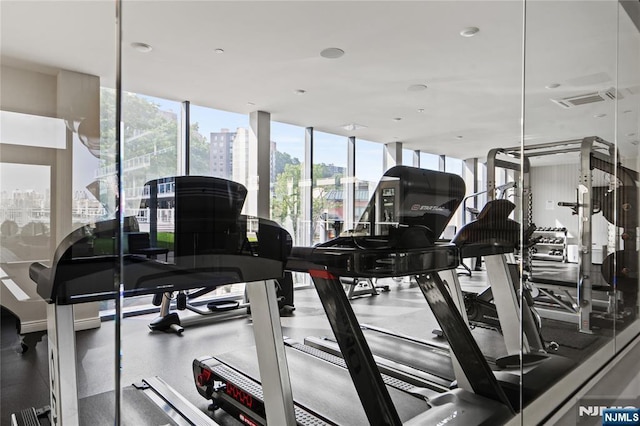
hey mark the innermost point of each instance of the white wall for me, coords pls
(551, 184)
(28, 92)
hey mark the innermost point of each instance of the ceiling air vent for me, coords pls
(588, 98)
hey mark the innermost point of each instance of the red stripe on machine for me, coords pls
(320, 273)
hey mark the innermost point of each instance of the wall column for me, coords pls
(416, 158)
(442, 163)
(349, 185)
(259, 162)
(470, 177)
(306, 189)
(184, 142)
(392, 155)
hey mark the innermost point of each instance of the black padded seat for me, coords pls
(491, 233)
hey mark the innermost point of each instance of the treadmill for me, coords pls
(212, 251)
(325, 388)
(427, 364)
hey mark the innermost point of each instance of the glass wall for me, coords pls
(583, 249)
(57, 186)
(93, 164)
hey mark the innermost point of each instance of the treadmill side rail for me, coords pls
(475, 366)
(362, 367)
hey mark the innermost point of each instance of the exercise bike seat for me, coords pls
(491, 233)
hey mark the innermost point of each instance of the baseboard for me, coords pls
(27, 327)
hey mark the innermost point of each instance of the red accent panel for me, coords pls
(319, 273)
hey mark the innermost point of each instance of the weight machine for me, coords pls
(595, 154)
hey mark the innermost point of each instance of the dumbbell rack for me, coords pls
(552, 244)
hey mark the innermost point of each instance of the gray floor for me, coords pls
(144, 354)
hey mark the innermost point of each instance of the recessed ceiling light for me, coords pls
(142, 47)
(218, 50)
(299, 91)
(628, 111)
(631, 134)
(332, 53)
(469, 31)
(353, 126)
(420, 110)
(397, 119)
(250, 103)
(636, 143)
(459, 137)
(552, 86)
(417, 87)
(599, 115)
(396, 138)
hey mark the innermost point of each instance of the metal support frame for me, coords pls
(63, 382)
(362, 367)
(591, 157)
(585, 191)
(368, 288)
(63, 376)
(272, 359)
(452, 283)
(474, 365)
(507, 304)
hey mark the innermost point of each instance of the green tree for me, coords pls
(281, 159)
(149, 138)
(286, 202)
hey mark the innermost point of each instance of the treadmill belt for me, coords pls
(322, 387)
(137, 409)
(405, 352)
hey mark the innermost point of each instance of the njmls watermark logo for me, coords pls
(621, 417)
(608, 411)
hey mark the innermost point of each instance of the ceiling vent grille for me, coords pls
(588, 98)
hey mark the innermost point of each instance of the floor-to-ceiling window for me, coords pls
(329, 170)
(368, 173)
(219, 143)
(287, 162)
(429, 161)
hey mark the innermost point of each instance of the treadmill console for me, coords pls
(397, 233)
(213, 244)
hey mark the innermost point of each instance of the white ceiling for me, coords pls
(272, 49)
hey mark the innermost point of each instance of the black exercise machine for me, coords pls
(427, 364)
(212, 253)
(194, 233)
(324, 386)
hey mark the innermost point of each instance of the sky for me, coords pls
(329, 149)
